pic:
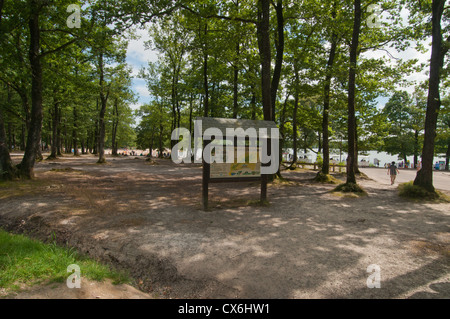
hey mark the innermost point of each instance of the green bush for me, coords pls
(350, 188)
(409, 190)
(326, 178)
(319, 160)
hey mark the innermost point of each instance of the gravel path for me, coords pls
(308, 243)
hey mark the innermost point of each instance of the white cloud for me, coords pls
(408, 54)
(136, 48)
(135, 106)
(138, 57)
(142, 90)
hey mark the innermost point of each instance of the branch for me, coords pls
(218, 16)
(375, 47)
(58, 30)
(76, 38)
(129, 19)
(58, 48)
(390, 55)
(11, 84)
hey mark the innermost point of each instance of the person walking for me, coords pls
(393, 171)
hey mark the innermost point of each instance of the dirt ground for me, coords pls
(88, 290)
(308, 243)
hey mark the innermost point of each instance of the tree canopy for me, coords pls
(319, 69)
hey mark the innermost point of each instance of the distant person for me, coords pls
(393, 171)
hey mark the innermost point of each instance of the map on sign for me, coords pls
(240, 168)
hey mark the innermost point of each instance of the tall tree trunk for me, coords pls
(67, 148)
(161, 150)
(326, 100)
(101, 119)
(88, 143)
(150, 148)
(115, 125)
(279, 43)
(424, 177)
(253, 103)
(294, 118)
(447, 157)
(263, 36)
(54, 148)
(191, 109)
(416, 147)
(7, 170)
(235, 83)
(205, 74)
(95, 137)
(356, 167)
(319, 141)
(39, 150)
(236, 72)
(282, 134)
(34, 132)
(351, 160)
(265, 56)
(174, 104)
(58, 133)
(75, 131)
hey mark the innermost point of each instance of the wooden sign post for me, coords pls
(241, 170)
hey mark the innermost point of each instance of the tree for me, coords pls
(443, 132)
(106, 50)
(334, 40)
(7, 170)
(424, 176)
(401, 138)
(351, 160)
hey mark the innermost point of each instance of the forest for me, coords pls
(319, 69)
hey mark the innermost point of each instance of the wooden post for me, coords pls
(205, 179)
(263, 188)
(264, 177)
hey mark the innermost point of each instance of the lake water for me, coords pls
(383, 157)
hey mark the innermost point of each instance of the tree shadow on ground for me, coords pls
(307, 243)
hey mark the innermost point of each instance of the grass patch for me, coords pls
(326, 179)
(257, 203)
(19, 188)
(26, 262)
(411, 191)
(280, 181)
(65, 170)
(426, 247)
(350, 188)
(236, 203)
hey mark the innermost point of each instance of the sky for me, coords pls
(138, 57)
(410, 53)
